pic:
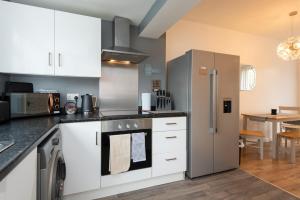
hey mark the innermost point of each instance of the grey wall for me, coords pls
(63, 85)
(155, 48)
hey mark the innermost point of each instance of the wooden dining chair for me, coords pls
(293, 137)
(285, 126)
(258, 135)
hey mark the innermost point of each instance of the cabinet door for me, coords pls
(81, 150)
(20, 183)
(77, 45)
(27, 39)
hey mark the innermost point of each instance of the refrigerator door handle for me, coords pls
(216, 101)
(213, 101)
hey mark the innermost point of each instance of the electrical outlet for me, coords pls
(71, 96)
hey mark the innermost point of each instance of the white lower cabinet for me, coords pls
(81, 149)
(20, 183)
(168, 163)
(82, 158)
(169, 146)
(169, 142)
(168, 124)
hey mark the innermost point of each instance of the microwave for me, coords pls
(34, 104)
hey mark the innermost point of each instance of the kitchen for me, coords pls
(125, 142)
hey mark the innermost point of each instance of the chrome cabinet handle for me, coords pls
(171, 137)
(96, 138)
(171, 123)
(171, 159)
(59, 59)
(50, 58)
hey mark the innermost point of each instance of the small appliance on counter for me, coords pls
(4, 111)
(87, 103)
(71, 106)
(20, 87)
(34, 104)
(161, 100)
(26, 103)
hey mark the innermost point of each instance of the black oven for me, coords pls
(125, 126)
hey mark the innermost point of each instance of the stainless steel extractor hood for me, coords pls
(121, 51)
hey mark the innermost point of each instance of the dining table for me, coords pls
(275, 120)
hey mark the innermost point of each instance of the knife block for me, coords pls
(161, 100)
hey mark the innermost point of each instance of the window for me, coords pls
(248, 77)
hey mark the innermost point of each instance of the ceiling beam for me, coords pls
(162, 15)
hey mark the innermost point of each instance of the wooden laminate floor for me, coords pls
(235, 184)
(278, 172)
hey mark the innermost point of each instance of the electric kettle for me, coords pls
(86, 103)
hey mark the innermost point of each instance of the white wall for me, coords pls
(277, 80)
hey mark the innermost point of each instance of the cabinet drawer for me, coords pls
(168, 163)
(169, 142)
(169, 124)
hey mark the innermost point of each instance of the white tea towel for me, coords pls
(119, 153)
(138, 147)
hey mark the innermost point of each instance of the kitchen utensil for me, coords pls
(94, 102)
(161, 100)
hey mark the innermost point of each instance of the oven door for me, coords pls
(133, 165)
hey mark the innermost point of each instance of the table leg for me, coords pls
(245, 120)
(278, 146)
(274, 139)
(293, 151)
(261, 148)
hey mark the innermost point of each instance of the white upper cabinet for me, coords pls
(77, 45)
(41, 41)
(27, 39)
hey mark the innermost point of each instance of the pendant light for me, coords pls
(290, 49)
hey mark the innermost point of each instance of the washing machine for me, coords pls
(51, 168)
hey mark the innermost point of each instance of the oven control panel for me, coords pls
(126, 124)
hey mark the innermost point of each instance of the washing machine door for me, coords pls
(57, 176)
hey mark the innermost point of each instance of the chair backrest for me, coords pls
(289, 109)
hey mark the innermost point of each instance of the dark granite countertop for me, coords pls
(28, 133)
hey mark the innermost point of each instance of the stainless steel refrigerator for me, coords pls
(206, 86)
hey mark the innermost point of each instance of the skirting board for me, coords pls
(109, 191)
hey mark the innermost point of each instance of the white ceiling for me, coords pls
(263, 17)
(135, 10)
